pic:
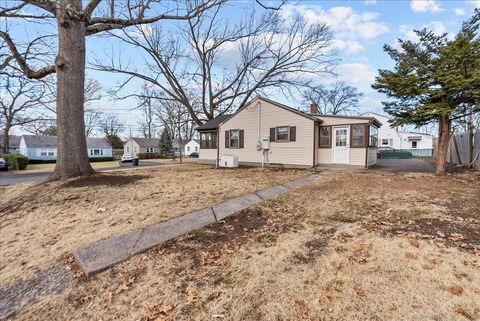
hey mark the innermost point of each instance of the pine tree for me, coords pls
(434, 80)
(166, 145)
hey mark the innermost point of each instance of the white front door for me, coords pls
(341, 145)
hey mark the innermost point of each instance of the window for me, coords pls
(196, 148)
(128, 149)
(96, 152)
(43, 152)
(341, 137)
(385, 142)
(47, 152)
(208, 140)
(373, 136)
(149, 149)
(358, 135)
(282, 134)
(325, 141)
(234, 138)
(188, 148)
(414, 144)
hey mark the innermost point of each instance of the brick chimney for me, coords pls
(313, 107)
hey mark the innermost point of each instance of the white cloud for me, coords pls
(459, 11)
(348, 46)
(349, 27)
(475, 3)
(369, 2)
(407, 32)
(425, 6)
(355, 73)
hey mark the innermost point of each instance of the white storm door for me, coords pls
(341, 145)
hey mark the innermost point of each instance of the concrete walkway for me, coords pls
(103, 254)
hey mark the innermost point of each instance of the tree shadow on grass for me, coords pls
(105, 180)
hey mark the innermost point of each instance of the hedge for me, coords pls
(101, 159)
(53, 161)
(15, 159)
(149, 155)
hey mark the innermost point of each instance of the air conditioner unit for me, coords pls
(228, 161)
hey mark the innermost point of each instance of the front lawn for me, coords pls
(353, 246)
(41, 223)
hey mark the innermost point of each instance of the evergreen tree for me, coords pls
(434, 80)
(166, 145)
(115, 141)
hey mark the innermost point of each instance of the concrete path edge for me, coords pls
(101, 255)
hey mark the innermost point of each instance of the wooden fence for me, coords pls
(460, 149)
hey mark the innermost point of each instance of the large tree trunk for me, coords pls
(72, 157)
(443, 140)
(6, 139)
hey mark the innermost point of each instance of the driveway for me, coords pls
(404, 165)
(11, 178)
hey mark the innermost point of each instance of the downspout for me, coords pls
(218, 148)
(314, 137)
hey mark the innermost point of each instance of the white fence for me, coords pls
(460, 151)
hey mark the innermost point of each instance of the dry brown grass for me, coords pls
(40, 223)
(354, 246)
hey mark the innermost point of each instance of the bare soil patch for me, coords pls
(338, 249)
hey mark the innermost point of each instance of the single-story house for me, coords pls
(269, 133)
(139, 145)
(192, 146)
(14, 144)
(45, 147)
(419, 144)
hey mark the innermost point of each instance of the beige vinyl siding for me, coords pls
(208, 154)
(131, 147)
(372, 156)
(324, 155)
(357, 156)
(299, 152)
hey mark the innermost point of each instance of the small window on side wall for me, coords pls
(282, 134)
(325, 140)
(358, 135)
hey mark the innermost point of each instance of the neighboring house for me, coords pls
(178, 147)
(270, 133)
(396, 138)
(192, 146)
(14, 144)
(45, 147)
(136, 145)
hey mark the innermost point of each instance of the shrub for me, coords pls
(148, 155)
(14, 160)
(42, 161)
(100, 159)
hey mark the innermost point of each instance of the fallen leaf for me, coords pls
(359, 291)
(166, 308)
(101, 209)
(455, 289)
(373, 269)
(414, 243)
(109, 297)
(411, 256)
(463, 312)
(121, 288)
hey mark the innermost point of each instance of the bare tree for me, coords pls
(111, 125)
(338, 98)
(213, 66)
(40, 127)
(93, 120)
(147, 124)
(20, 103)
(74, 23)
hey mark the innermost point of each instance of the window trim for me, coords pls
(283, 140)
(388, 142)
(230, 138)
(214, 136)
(416, 144)
(329, 137)
(148, 148)
(369, 136)
(366, 135)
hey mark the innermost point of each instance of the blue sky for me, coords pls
(360, 29)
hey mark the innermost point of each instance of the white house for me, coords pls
(396, 138)
(192, 146)
(45, 147)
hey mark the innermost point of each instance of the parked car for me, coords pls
(127, 158)
(3, 164)
(194, 155)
